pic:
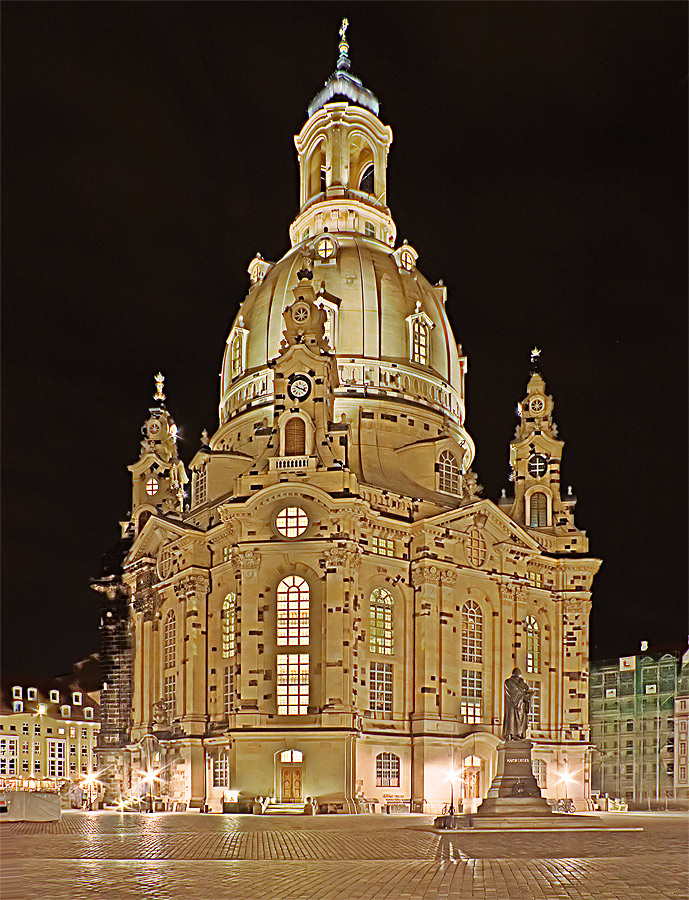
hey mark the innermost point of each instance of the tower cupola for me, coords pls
(343, 150)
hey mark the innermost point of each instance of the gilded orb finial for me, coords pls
(535, 353)
(159, 379)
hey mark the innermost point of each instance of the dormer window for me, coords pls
(18, 706)
(17, 693)
(31, 694)
(257, 269)
(420, 326)
(76, 698)
(330, 324)
(325, 247)
(88, 712)
(54, 696)
(200, 486)
(448, 473)
(65, 711)
(419, 353)
(235, 359)
(405, 257)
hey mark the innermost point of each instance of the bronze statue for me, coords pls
(517, 704)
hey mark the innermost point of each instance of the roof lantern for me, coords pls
(343, 84)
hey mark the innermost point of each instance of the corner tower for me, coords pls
(535, 458)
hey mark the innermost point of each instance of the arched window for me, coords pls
(448, 473)
(538, 510)
(381, 623)
(533, 645)
(237, 356)
(387, 770)
(419, 349)
(229, 625)
(169, 640)
(295, 437)
(366, 183)
(293, 611)
(472, 632)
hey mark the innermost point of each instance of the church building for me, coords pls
(321, 603)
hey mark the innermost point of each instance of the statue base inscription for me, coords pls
(514, 791)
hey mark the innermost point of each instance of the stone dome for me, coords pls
(386, 324)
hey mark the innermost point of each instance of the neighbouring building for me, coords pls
(48, 734)
(333, 609)
(632, 712)
(682, 731)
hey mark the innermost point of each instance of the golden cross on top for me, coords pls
(343, 30)
(159, 379)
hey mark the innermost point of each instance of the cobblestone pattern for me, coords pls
(187, 857)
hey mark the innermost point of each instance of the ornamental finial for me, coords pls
(159, 379)
(343, 62)
(535, 360)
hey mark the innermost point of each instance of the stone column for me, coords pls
(193, 590)
(249, 633)
(342, 565)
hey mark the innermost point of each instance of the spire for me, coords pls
(342, 83)
(343, 61)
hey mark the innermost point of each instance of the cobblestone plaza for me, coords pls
(185, 856)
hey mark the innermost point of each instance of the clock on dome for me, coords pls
(299, 387)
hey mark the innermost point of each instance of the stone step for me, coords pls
(284, 809)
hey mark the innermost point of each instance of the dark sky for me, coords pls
(538, 167)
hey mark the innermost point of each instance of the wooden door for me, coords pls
(291, 783)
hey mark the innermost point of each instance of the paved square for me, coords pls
(196, 857)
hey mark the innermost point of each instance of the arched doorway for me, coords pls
(291, 776)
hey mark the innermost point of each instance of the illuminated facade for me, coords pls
(48, 735)
(333, 611)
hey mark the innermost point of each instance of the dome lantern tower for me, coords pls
(343, 150)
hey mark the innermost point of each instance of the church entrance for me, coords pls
(291, 776)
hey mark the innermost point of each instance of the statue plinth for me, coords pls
(514, 791)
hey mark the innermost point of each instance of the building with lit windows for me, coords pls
(636, 715)
(48, 735)
(330, 608)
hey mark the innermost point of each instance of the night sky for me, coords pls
(538, 166)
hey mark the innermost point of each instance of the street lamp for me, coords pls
(451, 776)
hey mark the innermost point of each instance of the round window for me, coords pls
(537, 405)
(291, 521)
(152, 487)
(538, 465)
(407, 260)
(325, 248)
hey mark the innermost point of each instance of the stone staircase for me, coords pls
(285, 809)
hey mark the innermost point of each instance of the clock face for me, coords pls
(538, 465)
(299, 387)
(537, 405)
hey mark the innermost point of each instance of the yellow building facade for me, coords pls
(48, 736)
(323, 605)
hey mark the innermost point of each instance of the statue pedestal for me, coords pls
(514, 791)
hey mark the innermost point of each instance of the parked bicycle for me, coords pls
(566, 806)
